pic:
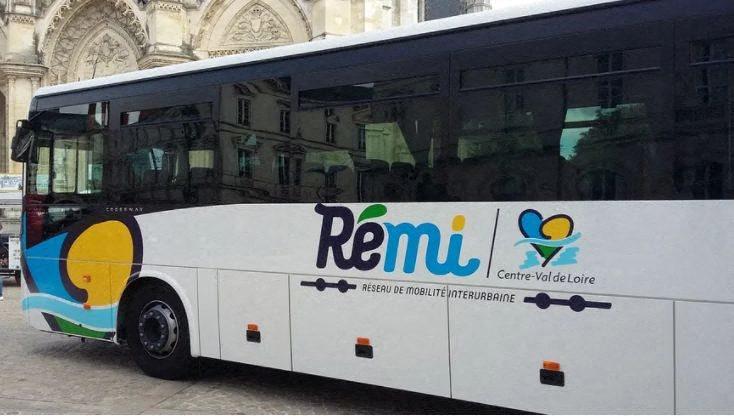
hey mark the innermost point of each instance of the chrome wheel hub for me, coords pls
(158, 329)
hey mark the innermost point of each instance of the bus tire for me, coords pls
(158, 334)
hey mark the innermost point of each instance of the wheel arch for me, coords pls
(145, 278)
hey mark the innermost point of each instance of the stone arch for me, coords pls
(236, 26)
(106, 31)
(106, 50)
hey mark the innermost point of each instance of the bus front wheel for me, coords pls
(158, 333)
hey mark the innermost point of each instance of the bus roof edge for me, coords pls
(306, 48)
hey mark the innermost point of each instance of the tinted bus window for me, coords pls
(175, 114)
(507, 143)
(257, 154)
(164, 155)
(376, 140)
(556, 69)
(623, 132)
(369, 91)
(614, 132)
(573, 138)
(372, 150)
(702, 152)
(376, 153)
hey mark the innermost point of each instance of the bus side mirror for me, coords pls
(20, 147)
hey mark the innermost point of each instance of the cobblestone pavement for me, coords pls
(51, 373)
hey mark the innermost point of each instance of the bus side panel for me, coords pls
(371, 332)
(254, 318)
(631, 248)
(616, 360)
(207, 288)
(704, 336)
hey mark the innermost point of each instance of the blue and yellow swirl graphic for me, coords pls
(77, 277)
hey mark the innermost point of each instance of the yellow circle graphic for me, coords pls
(100, 261)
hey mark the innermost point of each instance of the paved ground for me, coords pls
(49, 373)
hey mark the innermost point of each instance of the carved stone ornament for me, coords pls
(71, 27)
(107, 50)
(168, 6)
(21, 18)
(256, 24)
(226, 45)
(105, 55)
(234, 51)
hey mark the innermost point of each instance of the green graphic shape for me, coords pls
(372, 211)
(545, 251)
(72, 328)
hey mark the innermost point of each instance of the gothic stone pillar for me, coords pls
(331, 18)
(18, 83)
(167, 23)
(339, 17)
(20, 44)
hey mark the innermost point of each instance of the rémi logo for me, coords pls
(370, 236)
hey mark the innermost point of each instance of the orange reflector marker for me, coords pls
(252, 327)
(551, 366)
(87, 306)
(87, 278)
(363, 341)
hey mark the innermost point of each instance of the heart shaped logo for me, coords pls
(547, 236)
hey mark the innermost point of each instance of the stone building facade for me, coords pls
(46, 42)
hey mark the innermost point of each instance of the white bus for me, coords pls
(527, 208)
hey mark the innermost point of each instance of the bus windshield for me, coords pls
(67, 157)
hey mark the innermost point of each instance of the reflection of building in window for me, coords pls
(514, 75)
(711, 85)
(606, 149)
(514, 99)
(598, 185)
(514, 103)
(704, 180)
(298, 173)
(610, 93)
(330, 180)
(360, 186)
(597, 125)
(329, 161)
(609, 62)
(285, 121)
(712, 50)
(386, 142)
(361, 137)
(202, 159)
(245, 163)
(243, 112)
(284, 169)
(487, 130)
(610, 90)
(331, 122)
